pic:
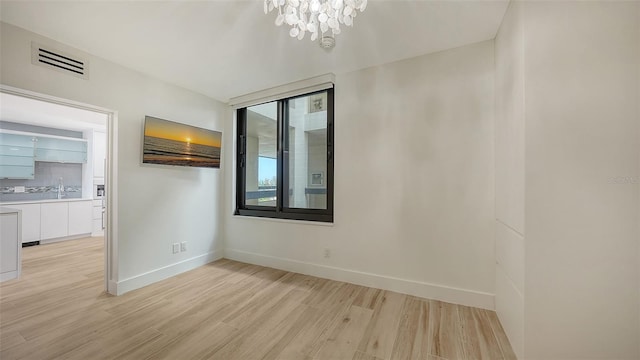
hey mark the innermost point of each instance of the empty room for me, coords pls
(320, 179)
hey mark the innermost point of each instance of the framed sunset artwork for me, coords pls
(171, 143)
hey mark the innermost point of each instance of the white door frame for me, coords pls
(111, 175)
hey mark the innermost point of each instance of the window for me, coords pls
(285, 158)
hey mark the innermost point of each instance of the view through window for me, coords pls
(287, 174)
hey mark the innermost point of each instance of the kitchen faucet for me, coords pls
(60, 188)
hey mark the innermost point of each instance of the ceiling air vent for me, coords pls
(59, 60)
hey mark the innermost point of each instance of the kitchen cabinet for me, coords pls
(10, 248)
(98, 218)
(61, 150)
(18, 153)
(99, 153)
(17, 140)
(16, 167)
(30, 221)
(16, 156)
(80, 217)
(54, 220)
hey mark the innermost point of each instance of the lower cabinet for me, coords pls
(54, 220)
(9, 248)
(51, 220)
(30, 221)
(98, 218)
(80, 217)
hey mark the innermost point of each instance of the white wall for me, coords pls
(567, 77)
(582, 124)
(509, 176)
(413, 188)
(157, 205)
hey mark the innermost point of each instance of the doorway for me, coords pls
(90, 183)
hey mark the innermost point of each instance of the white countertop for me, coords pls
(9, 203)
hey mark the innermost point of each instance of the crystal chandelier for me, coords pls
(315, 16)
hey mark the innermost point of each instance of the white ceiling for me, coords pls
(229, 48)
(35, 112)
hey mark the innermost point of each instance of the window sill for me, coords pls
(289, 221)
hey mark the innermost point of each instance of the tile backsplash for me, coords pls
(45, 183)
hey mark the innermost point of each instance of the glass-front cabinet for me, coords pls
(61, 150)
(20, 151)
(17, 156)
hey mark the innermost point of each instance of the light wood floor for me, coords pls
(226, 310)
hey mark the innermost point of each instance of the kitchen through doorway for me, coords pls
(57, 166)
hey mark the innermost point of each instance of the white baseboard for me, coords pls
(112, 287)
(9, 275)
(64, 238)
(162, 273)
(411, 287)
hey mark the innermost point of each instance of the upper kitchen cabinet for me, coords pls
(61, 150)
(16, 156)
(99, 153)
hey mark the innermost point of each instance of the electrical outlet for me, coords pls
(176, 248)
(327, 253)
(183, 246)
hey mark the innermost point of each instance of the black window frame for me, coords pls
(281, 210)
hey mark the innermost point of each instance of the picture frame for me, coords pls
(316, 178)
(318, 102)
(170, 143)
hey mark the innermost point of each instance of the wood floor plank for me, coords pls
(477, 335)
(498, 331)
(382, 331)
(445, 331)
(10, 339)
(265, 299)
(362, 356)
(312, 338)
(264, 331)
(368, 298)
(310, 315)
(192, 317)
(225, 310)
(197, 344)
(37, 326)
(127, 345)
(343, 297)
(59, 340)
(412, 341)
(321, 291)
(343, 342)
